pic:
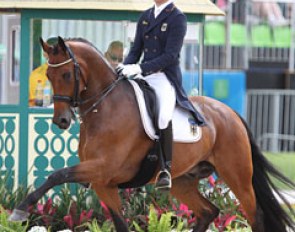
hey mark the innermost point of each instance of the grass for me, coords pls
(285, 162)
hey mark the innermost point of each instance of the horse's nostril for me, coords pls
(63, 121)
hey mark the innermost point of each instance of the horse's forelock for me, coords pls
(55, 50)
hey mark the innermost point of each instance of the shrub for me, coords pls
(7, 226)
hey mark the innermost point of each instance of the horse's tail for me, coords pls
(275, 217)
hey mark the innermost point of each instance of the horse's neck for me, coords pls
(100, 77)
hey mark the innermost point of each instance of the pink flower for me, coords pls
(106, 210)
(223, 221)
(211, 180)
(229, 220)
(85, 216)
(184, 210)
(69, 220)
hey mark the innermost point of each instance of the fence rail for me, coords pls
(260, 31)
(271, 116)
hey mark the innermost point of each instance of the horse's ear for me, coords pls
(61, 43)
(45, 46)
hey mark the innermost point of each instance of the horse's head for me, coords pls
(64, 74)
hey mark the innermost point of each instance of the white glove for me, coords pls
(131, 70)
(119, 68)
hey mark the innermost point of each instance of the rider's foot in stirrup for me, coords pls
(163, 181)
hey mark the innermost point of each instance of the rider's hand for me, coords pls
(131, 70)
(119, 68)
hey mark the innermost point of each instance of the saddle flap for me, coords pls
(185, 129)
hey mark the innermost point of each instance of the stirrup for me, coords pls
(157, 179)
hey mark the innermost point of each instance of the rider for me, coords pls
(159, 36)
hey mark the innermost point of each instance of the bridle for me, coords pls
(75, 101)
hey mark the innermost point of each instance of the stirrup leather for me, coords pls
(157, 178)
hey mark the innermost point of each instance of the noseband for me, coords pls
(73, 101)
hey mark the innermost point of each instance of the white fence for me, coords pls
(271, 117)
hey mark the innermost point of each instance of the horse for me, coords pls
(113, 144)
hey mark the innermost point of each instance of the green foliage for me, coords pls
(7, 226)
(145, 209)
(10, 198)
(93, 226)
(71, 210)
(161, 223)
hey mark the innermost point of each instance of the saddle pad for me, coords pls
(182, 128)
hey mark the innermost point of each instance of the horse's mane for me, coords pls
(79, 39)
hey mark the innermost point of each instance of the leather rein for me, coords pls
(75, 100)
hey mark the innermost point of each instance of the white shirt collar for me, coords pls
(159, 9)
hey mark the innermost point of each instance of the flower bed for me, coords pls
(144, 210)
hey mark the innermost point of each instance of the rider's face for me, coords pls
(160, 2)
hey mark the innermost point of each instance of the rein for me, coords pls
(75, 101)
(103, 94)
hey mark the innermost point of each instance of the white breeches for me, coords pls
(166, 97)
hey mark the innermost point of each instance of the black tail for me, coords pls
(276, 218)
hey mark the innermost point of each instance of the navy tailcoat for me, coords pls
(160, 40)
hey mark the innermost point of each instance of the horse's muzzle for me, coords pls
(62, 121)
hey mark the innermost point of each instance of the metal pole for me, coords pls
(227, 36)
(292, 45)
(200, 67)
(247, 24)
(276, 125)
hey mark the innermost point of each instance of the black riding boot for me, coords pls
(164, 176)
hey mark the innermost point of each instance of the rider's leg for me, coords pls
(166, 98)
(164, 177)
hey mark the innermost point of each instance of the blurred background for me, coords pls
(248, 60)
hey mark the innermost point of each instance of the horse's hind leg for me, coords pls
(185, 189)
(237, 174)
(110, 196)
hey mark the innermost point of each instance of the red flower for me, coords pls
(69, 220)
(85, 216)
(223, 221)
(211, 181)
(106, 210)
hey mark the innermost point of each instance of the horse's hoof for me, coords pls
(18, 216)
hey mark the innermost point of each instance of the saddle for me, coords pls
(184, 130)
(150, 162)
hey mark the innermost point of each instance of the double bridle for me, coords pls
(75, 101)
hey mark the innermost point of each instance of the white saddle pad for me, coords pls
(182, 129)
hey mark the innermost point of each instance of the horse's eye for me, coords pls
(66, 76)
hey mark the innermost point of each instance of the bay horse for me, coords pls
(113, 144)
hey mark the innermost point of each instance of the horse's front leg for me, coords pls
(110, 196)
(64, 175)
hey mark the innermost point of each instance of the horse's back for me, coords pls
(224, 123)
(217, 114)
